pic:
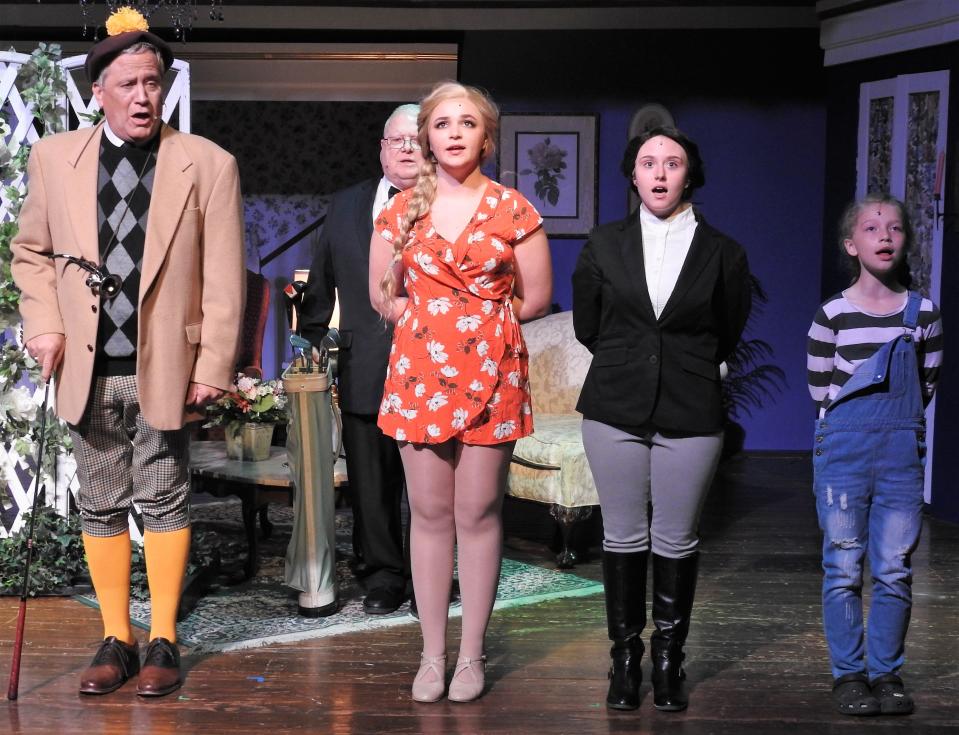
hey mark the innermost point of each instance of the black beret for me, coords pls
(110, 47)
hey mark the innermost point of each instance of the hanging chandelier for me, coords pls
(182, 13)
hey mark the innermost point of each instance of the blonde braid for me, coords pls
(424, 191)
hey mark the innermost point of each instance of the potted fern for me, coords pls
(752, 382)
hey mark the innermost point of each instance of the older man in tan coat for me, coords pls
(159, 212)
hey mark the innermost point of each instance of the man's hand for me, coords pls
(47, 349)
(199, 395)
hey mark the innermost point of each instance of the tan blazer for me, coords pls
(193, 272)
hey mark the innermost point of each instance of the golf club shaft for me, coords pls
(13, 686)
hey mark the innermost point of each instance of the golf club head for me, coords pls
(293, 293)
(303, 348)
(300, 343)
(330, 349)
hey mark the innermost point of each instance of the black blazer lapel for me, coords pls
(631, 251)
(701, 251)
(364, 209)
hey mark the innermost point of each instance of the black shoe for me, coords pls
(383, 600)
(852, 695)
(113, 664)
(160, 673)
(892, 695)
(674, 588)
(669, 677)
(625, 675)
(624, 579)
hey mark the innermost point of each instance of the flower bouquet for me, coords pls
(248, 413)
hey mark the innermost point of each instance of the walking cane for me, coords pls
(14, 684)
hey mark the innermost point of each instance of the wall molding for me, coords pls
(888, 28)
(307, 72)
(703, 15)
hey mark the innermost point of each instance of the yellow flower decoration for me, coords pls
(126, 19)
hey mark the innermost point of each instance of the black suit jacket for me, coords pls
(341, 260)
(661, 373)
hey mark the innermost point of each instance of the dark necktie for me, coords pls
(392, 192)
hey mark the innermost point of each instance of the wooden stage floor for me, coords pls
(756, 657)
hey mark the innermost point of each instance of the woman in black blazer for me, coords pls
(660, 299)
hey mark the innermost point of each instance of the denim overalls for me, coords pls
(868, 481)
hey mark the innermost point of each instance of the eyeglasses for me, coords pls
(403, 141)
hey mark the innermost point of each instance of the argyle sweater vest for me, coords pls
(124, 187)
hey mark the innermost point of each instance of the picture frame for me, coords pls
(551, 160)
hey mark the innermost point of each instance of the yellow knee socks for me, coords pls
(166, 557)
(109, 560)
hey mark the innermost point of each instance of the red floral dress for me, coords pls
(458, 365)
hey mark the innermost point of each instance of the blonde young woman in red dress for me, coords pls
(456, 263)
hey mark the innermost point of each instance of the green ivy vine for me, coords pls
(41, 84)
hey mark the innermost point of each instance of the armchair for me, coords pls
(550, 466)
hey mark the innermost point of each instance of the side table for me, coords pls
(255, 483)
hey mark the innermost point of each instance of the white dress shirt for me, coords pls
(110, 135)
(665, 246)
(382, 196)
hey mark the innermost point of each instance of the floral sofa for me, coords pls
(550, 465)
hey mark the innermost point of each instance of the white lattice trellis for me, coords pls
(176, 98)
(19, 116)
(19, 470)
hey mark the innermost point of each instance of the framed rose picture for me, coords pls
(551, 159)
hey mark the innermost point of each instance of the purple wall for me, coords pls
(762, 136)
(776, 217)
(840, 177)
(316, 148)
(761, 129)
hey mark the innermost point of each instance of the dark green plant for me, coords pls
(41, 82)
(91, 117)
(58, 558)
(204, 547)
(751, 383)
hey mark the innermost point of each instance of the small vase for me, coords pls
(248, 441)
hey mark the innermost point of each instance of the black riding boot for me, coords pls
(674, 586)
(625, 579)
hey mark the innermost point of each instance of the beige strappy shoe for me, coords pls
(469, 677)
(430, 682)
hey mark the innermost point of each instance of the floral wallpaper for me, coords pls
(292, 156)
(296, 147)
(880, 144)
(923, 130)
(273, 219)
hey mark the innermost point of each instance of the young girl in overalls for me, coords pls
(874, 352)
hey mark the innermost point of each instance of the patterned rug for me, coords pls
(262, 610)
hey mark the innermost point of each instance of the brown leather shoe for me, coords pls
(160, 673)
(114, 663)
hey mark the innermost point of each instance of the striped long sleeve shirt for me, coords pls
(842, 336)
